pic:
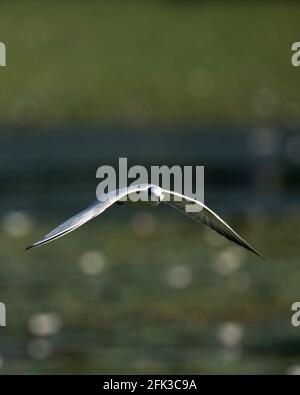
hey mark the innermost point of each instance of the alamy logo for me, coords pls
(2, 314)
(295, 320)
(2, 55)
(296, 56)
(176, 178)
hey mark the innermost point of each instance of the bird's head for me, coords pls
(155, 194)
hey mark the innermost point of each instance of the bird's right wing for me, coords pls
(96, 208)
(206, 216)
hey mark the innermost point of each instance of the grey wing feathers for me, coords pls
(71, 224)
(86, 215)
(206, 216)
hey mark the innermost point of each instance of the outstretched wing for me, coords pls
(89, 213)
(206, 216)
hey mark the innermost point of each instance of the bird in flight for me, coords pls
(148, 195)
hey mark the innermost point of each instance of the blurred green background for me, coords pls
(160, 82)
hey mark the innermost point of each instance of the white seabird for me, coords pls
(153, 195)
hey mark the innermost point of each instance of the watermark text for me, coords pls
(296, 55)
(2, 54)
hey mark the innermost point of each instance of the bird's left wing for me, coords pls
(96, 208)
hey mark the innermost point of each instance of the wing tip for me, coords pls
(29, 247)
(37, 244)
(257, 254)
